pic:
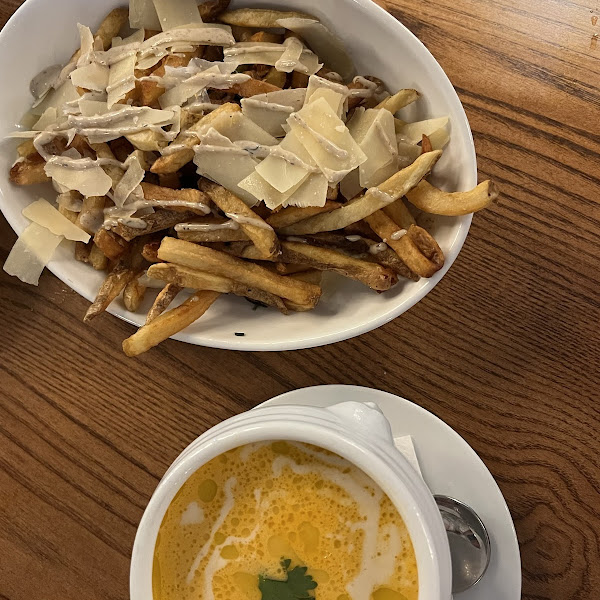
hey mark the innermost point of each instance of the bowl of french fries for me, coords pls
(247, 178)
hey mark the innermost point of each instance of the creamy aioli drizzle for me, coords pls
(353, 238)
(398, 235)
(245, 220)
(380, 195)
(377, 248)
(231, 224)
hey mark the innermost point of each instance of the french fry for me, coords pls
(188, 195)
(252, 87)
(398, 212)
(213, 235)
(290, 269)
(169, 323)
(262, 235)
(26, 148)
(91, 216)
(426, 145)
(112, 286)
(170, 163)
(29, 171)
(219, 263)
(65, 212)
(113, 171)
(299, 80)
(111, 26)
(170, 180)
(82, 252)
(266, 36)
(294, 214)
(373, 200)
(157, 221)
(432, 200)
(276, 78)
(388, 258)
(199, 280)
(110, 244)
(325, 259)
(150, 251)
(210, 10)
(399, 100)
(163, 301)
(259, 18)
(133, 294)
(417, 249)
(245, 249)
(97, 258)
(313, 276)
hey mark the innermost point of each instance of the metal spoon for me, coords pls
(469, 542)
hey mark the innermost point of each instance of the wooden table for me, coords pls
(505, 349)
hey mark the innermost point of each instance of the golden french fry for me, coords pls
(210, 10)
(388, 258)
(259, 18)
(113, 171)
(169, 323)
(313, 276)
(163, 301)
(216, 231)
(262, 235)
(26, 148)
(111, 26)
(294, 214)
(170, 180)
(133, 294)
(373, 200)
(290, 269)
(150, 251)
(219, 263)
(91, 216)
(65, 212)
(29, 171)
(200, 280)
(299, 80)
(426, 144)
(276, 78)
(110, 244)
(82, 252)
(157, 221)
(417, 249)
(432, 200)
(252, 87)
(399, 100)
(170, 163)
(398, 212)
(354, 101)
(325, 259)
(112, 286)
(97, 258)
(188, 195)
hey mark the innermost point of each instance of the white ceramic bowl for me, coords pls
(379, 45)
(358, 432)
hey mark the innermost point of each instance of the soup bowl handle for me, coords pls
(364, 417)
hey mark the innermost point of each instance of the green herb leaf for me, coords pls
(296, 586)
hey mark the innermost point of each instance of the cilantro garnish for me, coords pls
(296, 586)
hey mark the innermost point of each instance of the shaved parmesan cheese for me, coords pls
(238, 127)
(313, 192)
(374, 132)
(270, 111)
(84, 176)
(142, 15)
(327, 140)
(87, 44)
(226, 165)
(44, 214)
(439, 138)
(407, 154)
(91, 77)
(268, 53)
(333, 98)
(290, 58)
(129, 182)
(31, 253)
(317, 83)
(46, 120)
(259, 188)
(57, 98)
(323, 42)
(121, 77)
(177, 13)
(412, 133)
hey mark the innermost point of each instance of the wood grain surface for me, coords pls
(505, 349)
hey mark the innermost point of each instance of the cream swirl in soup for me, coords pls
(252, 514)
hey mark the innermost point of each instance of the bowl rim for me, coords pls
(56, 267)
(377, 458)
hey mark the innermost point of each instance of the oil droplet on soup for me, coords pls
(239, 515)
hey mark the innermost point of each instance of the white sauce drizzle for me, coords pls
(206, 226)
(377, 248)
(245, 220)
(398, 235)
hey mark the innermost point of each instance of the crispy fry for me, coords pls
(188, 195)
(386, 193)
(276, 78)
(65, 212)
(199, 280)
(266, 36)
(82, 252)
(252, 87)
(299, 80)
(211, 9)
(426, 145)
(91, 216)
(289, 269)
(113, 171)
(430, 199)
(294, 214)
(111, 25)
(170, 163)
(112, 286)
(399, 100)
(259, 18)
(219, 263)
(157, 221)
(150, 251)
(388, 258)
(162, 301)
(110, 244)
(262, 235)
(398, 212)
(218, 234)
(245, 249)
(169, 323)
(313, 276)
(325, 259)
(29, 171)
(417, 249)
(148, 141)
(133, 294)
(241, 34)
(170, 180)
(97, 258)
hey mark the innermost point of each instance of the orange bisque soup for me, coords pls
(279, 520)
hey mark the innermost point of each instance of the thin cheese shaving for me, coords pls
(81, 175)
(259, 188)
(46, 120)
(129, 182)
(177, 13)
(412, 133)
(142, 15)
(271, 110)
(44, 214)
(290, 58)
(121, 78)
(91, 77)
(31, 253)
(313, 192)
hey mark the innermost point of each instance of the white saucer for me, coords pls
(451, 467)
